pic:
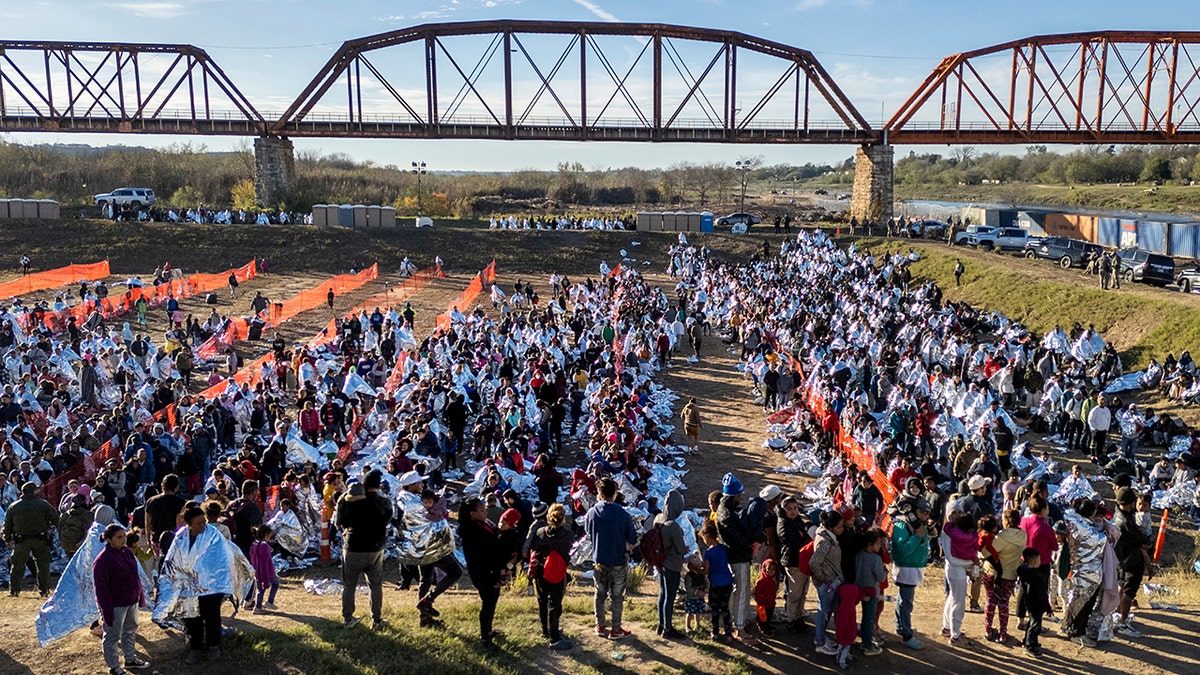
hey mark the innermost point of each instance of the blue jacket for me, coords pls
(609, 528)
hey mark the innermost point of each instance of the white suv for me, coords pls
(135, 197)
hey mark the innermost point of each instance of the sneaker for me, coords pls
(601, 631)
(136, 663)
(1034, 651)
(116, 671)
(618, 634)
(871, 649)
(993, 635)
(213, 653)
(914, 643)
(352, 622)
(673, 634)
(798, 626)
(193, 657)
(828, 649)
(259, 610)
(1084, 641)
(1022, 624)
(562, 645)
(975, 609)
(379, 624)
(1003, 639)
(271, 606)
(961, 641)
(1125, 630)
(945, 632)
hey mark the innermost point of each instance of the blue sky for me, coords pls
(877, 50)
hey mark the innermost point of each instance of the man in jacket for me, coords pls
(671, 570)
(26, 524)
(826, 566)
(364, 524)
(612, 535)
(739, 544)
(1133, 556)
(792, 533)
(910, 555)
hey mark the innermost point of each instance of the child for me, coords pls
(1033, 585)
(871, 573)
(1144, 520)
(264, 569)
(1062, 569)
(450, 451)
(510, 543)
(695, 586)
(142, 551)
(720, 581)
(764, 595)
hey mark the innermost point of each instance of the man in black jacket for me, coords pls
(792, 530)
(739, 545)
(364, 519)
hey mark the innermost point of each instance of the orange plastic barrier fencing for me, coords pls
(465, 299)
(61, 276)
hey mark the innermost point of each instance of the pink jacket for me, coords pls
(260, 559)
(1041, 536)
(963, 545)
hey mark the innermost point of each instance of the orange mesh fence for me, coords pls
(61, 276)
(465, 299)
(405, 290)
(239, 328)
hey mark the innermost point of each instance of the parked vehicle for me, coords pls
(961, 238)
(1188, 280)
(1151, 268)
(135, 197)
(928, 228)
(1003, 238)
(746, 219)
(1067, 252)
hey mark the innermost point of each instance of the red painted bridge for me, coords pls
(540, 80)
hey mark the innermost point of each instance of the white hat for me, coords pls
(411, 478)
(975, 483)
(770, 492)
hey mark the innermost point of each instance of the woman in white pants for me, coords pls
(961, 545)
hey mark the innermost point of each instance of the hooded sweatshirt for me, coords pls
(609, 528)
(672, 534)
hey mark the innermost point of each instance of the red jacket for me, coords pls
(310, 420)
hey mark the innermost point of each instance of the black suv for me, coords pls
(1152, 268)
(1068, 252)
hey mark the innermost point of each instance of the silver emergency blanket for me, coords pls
(300, 451)
(1182, 495)
(423, 542)
(803, 460)
(662, 480)
(521, 483)
(1128, 382)
(211, 565)
(1072, 488)
(1087, 543)
(73, 604)
(288, 532)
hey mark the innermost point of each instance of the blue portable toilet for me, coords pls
(346, 215)
(706, 221)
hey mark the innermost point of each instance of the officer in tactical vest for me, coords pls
(26, 526)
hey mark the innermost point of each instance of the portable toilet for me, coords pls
(360, 215)
(668, 221)
(387, 216)
(318, 215)
(706, 221)
(642, 222)
(373, 216)
(3, 208)
(31, 208)
(345, 215)
(693, 221)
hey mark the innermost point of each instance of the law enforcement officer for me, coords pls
(26, 524)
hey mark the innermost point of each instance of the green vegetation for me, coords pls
(1145, 328)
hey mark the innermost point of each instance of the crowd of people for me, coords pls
(843, 348)
(566, 222)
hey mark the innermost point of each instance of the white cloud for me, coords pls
(152, 10)
(598, 11)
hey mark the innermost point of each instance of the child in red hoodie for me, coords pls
(764, 595)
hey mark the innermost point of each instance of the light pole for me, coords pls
(742, 168)
(418, 168)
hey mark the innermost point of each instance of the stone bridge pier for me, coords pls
(274, 170)
(871, 200)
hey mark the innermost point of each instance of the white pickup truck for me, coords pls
(1002, 238)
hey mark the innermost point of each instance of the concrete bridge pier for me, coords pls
(274, 170)
(871, 200)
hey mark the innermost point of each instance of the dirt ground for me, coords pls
(734, 431)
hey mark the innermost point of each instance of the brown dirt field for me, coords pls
(731, 441)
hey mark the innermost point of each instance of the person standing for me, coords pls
(233, 284)
(671, 570)
(1099, 419)
(547, 541)
(1133, 557)
(826, 567)
(910, 555)
(119, 592)
(793, 536)
(364, 524)
(611, 532)
(483, 554)
(1105, 268)
(958, 272)
(739, 543)
(162, 513)
(26, 526)
(691, 423)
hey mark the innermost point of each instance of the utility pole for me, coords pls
(742, 168)
(418, 168)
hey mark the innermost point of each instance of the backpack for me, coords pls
(554, 569)
(804, 556)
(652, 546)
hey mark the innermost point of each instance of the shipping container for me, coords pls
(1032, 221)
(1108, 232)
(706, 221)
(1129, 230)
(1152, 236)
(1185, 240)
(319, 217)
(1071, 225)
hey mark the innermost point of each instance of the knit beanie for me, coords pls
(730, 485)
